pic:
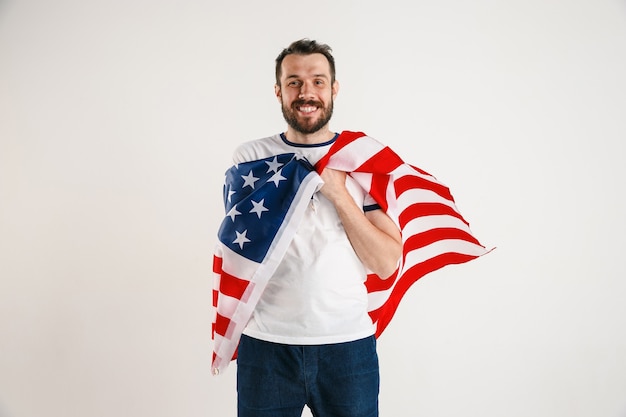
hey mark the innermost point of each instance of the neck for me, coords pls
(321, 136)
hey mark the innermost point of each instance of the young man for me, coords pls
(323, 235)
(310, 339)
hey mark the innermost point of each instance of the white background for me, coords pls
(118, 119)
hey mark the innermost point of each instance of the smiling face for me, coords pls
(306, 92)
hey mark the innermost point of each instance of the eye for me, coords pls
(319, 82)
(294, 83)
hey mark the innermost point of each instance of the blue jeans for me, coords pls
(335, 380)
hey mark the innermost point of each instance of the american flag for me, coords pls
(264, 202)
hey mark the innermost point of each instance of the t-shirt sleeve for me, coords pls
(369, 204)
(242, 154)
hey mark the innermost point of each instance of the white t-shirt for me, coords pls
(317, 294)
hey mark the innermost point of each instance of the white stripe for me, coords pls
(227, 305)
(405, 170)
(377, 299)
(355, 154)
(424, 223)
(422, 196)
(364, 179)
(236, 265)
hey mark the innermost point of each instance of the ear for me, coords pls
(335, 89)
(277, 91)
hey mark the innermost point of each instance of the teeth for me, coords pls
(307, 109)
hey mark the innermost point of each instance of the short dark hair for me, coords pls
(305, 47)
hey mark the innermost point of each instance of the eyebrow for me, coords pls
(314, 76)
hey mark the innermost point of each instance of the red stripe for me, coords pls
(221, 325)
(375, 283)
(216, 294)
(427, 209)
(420, 240)
(217, 264)
(378, 190)
(409, 182)
(382, 162)
(421, 171)
(232, 286)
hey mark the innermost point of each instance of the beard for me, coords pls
(307, 125)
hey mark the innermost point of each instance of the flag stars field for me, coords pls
(246, 190)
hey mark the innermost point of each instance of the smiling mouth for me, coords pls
(306, 109)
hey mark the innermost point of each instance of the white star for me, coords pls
(230, 194)
(241, 238)
(258, 207)
(277, 178)
(249, 179)
(274, 165)
(233, 212)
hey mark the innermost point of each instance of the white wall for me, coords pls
(118, 118)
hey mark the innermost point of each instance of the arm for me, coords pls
(373, 235)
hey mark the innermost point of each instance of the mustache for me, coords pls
(301, 102)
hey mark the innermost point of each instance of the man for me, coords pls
(323, 235)
(310, 339)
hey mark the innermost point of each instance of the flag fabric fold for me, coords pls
(264, 202)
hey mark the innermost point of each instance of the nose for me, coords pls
(305, 91)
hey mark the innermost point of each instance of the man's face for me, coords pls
(306, 92)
